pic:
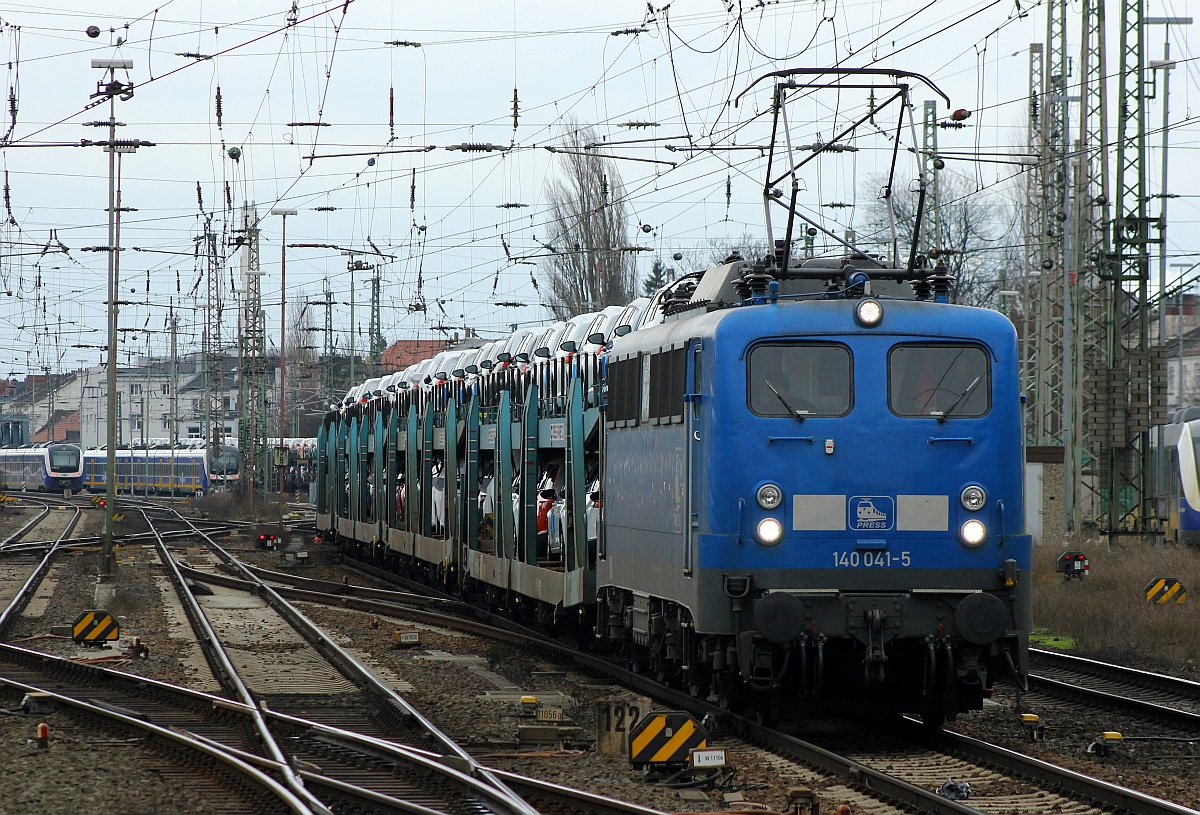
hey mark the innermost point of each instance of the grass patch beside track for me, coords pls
(1106, 614)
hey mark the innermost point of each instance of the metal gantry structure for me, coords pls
(252, 411)
(213, 353)
(1096, 385)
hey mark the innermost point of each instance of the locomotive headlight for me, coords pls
(868, 312)
(973, 498)
(769, 496)
(769, 531)
(972, 533)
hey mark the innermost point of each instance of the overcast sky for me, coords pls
(331, 117)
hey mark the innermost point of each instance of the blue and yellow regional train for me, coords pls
(1180, 466)
(44, 468)
(790, 483)
(179, 471)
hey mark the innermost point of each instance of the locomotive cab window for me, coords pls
(799, 379)
(941, 381)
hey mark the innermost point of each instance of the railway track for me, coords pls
(883, 769)
(902, 763)
(1103, 680)
(308, 695)
(1128, 708)
(351, 757)
(22, 567)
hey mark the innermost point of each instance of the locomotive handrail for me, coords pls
(773, 439)
(965, 439)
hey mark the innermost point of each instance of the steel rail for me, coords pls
(91, 540)
(364, 678)
(45, 505)
(205, 746)
(1135, 676)
(861, 775)
(21, 599)
(390, 751)
(1086, 786)
(586, 801)
(228, 676)
(1181, 718)
(449, 766)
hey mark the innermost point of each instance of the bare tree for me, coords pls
(979, 237)
(591, 266)
(746, 245)
(303, 377)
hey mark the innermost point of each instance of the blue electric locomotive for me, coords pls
(790, 482)
(818, 496)
(48, 468)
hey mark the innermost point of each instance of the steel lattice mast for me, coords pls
(1089, 292)
(931, 232)
(1126, 475)
(1035, 252)
(214, 386)
(252, 356)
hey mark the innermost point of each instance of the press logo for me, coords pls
(871, 512)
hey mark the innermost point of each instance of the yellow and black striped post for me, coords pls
(666, 738)
(95, 627)
(1164, 590)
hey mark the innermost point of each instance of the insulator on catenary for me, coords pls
(228, 197)
(412, 192)
(516, 107)
(392, 112)
(200, 197)
(220, 110)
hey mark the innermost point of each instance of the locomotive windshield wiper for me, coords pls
(962, 397)
(797, 413)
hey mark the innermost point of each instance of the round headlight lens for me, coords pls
(973, 532)
(769, 496)
(770, 531)
(868, 312)
(973, 498)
